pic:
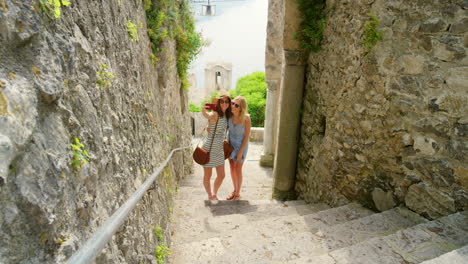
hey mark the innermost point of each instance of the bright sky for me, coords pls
(237, 35)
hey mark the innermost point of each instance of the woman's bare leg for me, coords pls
(238, 166)
(232, 166)
(206, 180)
(220, 174)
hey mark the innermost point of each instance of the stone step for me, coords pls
(254, 208)
(259, 248)
(248, 193)
(336, 216)
(411, 245)
(362, 229)
(373, 251)
(215, 218)
(268, 238)
(458, 256)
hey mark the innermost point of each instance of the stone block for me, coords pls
(424, 145)
(417, 244)
(457, 78)
(438, 171)
(461, 176)
(256, 134)
(434, 25)
(267, 160)
(427, 200)
(412, 65)
(383, 200)
(458, 256)
(460, 27)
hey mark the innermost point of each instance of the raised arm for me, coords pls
(212, 117)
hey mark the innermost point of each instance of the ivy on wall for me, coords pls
(173, 19)
(312, 25)
(371, 34)
(54, 6)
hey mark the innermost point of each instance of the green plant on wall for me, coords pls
(132, 31)
(371, 34)
(104, 77)
(173, 19)
(162, 250)
(79, 155)
(312, 25)
(54, 5)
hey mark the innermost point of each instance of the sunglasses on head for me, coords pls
(221, 101)
(234, 104)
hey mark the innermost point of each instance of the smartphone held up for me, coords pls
(210, 106)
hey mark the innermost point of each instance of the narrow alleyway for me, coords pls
(259, 230)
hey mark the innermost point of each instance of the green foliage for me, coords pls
(254, 89)
(371, 33)
(173, 19)
(104, 77)
(158, 233)
(194, 108)
(161, 251)
(132, 31)
(54, 6)
(312, 25)
(79, 155)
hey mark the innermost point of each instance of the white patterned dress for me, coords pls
(217, 151)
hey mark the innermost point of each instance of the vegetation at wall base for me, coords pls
(173, 19)
(312, 25)
(161, 250)
(254, 89)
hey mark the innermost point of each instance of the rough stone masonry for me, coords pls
(391, 127)
(50, 94)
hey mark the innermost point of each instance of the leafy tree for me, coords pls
(253, 88)
(194, 108)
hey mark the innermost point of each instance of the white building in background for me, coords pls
(218, 77)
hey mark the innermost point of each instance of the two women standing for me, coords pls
(234, 116)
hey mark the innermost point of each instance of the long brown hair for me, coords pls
(228, 110)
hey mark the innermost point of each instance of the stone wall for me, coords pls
(389, 128)
(49, 95)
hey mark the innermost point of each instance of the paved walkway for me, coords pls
(259, 230)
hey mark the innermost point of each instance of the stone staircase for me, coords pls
(258, 230)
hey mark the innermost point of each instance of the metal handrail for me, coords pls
(96, 243)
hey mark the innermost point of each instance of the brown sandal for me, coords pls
(236, 198)
(231, 196)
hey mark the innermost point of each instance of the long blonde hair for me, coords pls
(243, 108)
